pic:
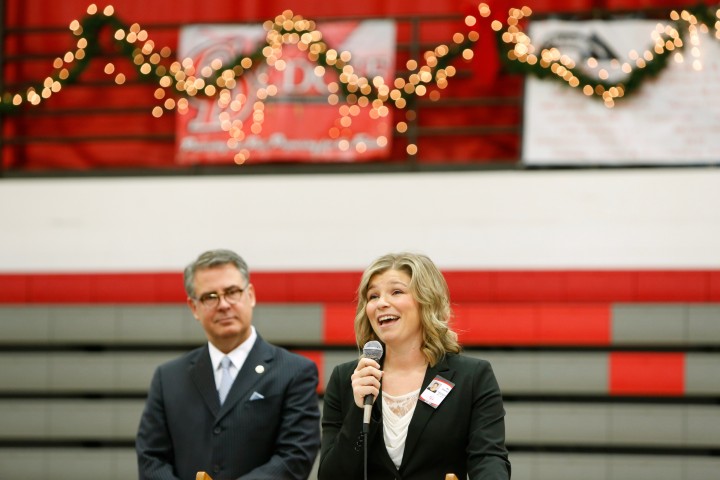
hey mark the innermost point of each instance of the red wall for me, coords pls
(97, 125)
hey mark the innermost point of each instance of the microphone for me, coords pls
(372, 349)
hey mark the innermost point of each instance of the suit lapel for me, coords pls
(261, 355)
(423, 411)
(202, 374)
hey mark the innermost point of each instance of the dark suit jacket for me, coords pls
(184, 429)
(465, 435)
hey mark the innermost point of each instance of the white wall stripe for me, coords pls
(470, 220)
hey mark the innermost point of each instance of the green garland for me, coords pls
(93, 25)
(705, 15)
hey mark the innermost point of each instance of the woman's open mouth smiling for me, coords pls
(384, 320)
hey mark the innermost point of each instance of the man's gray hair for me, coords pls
(211, 259)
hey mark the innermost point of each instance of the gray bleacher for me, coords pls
(73, 380)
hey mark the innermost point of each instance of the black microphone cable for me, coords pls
(365, 450)
(372, 349)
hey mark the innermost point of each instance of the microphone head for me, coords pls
(373, 349)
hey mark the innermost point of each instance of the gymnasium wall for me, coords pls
(595, 294)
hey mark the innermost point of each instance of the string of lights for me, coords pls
(179, 80)
(665, 40)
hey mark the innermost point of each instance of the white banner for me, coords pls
(673, 119)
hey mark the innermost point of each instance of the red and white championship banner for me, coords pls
(295, 121)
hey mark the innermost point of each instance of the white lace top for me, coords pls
(397, 413)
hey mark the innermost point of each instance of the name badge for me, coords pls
(436, 392)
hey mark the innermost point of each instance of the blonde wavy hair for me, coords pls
(429, 289)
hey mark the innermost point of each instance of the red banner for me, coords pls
(280, 111)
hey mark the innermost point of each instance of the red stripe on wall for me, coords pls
(601, 286)
(574, 324)
(636, 373)
(338, 324)
(306, 286)
(317, 357)
(340, 287)
(469, 284)
(550, 324)
(714, 280)
(495, 324)
(92, 288)
(674, 286)
(529, 286)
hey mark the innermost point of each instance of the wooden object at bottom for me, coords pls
(205, 476)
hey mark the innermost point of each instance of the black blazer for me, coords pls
(268, 427)
(465, 435)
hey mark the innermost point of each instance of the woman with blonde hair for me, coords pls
(414, 432)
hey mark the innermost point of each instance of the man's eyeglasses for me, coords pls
(211, 300)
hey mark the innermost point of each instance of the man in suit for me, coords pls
(238, 407)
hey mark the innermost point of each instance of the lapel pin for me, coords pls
(259, 369)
